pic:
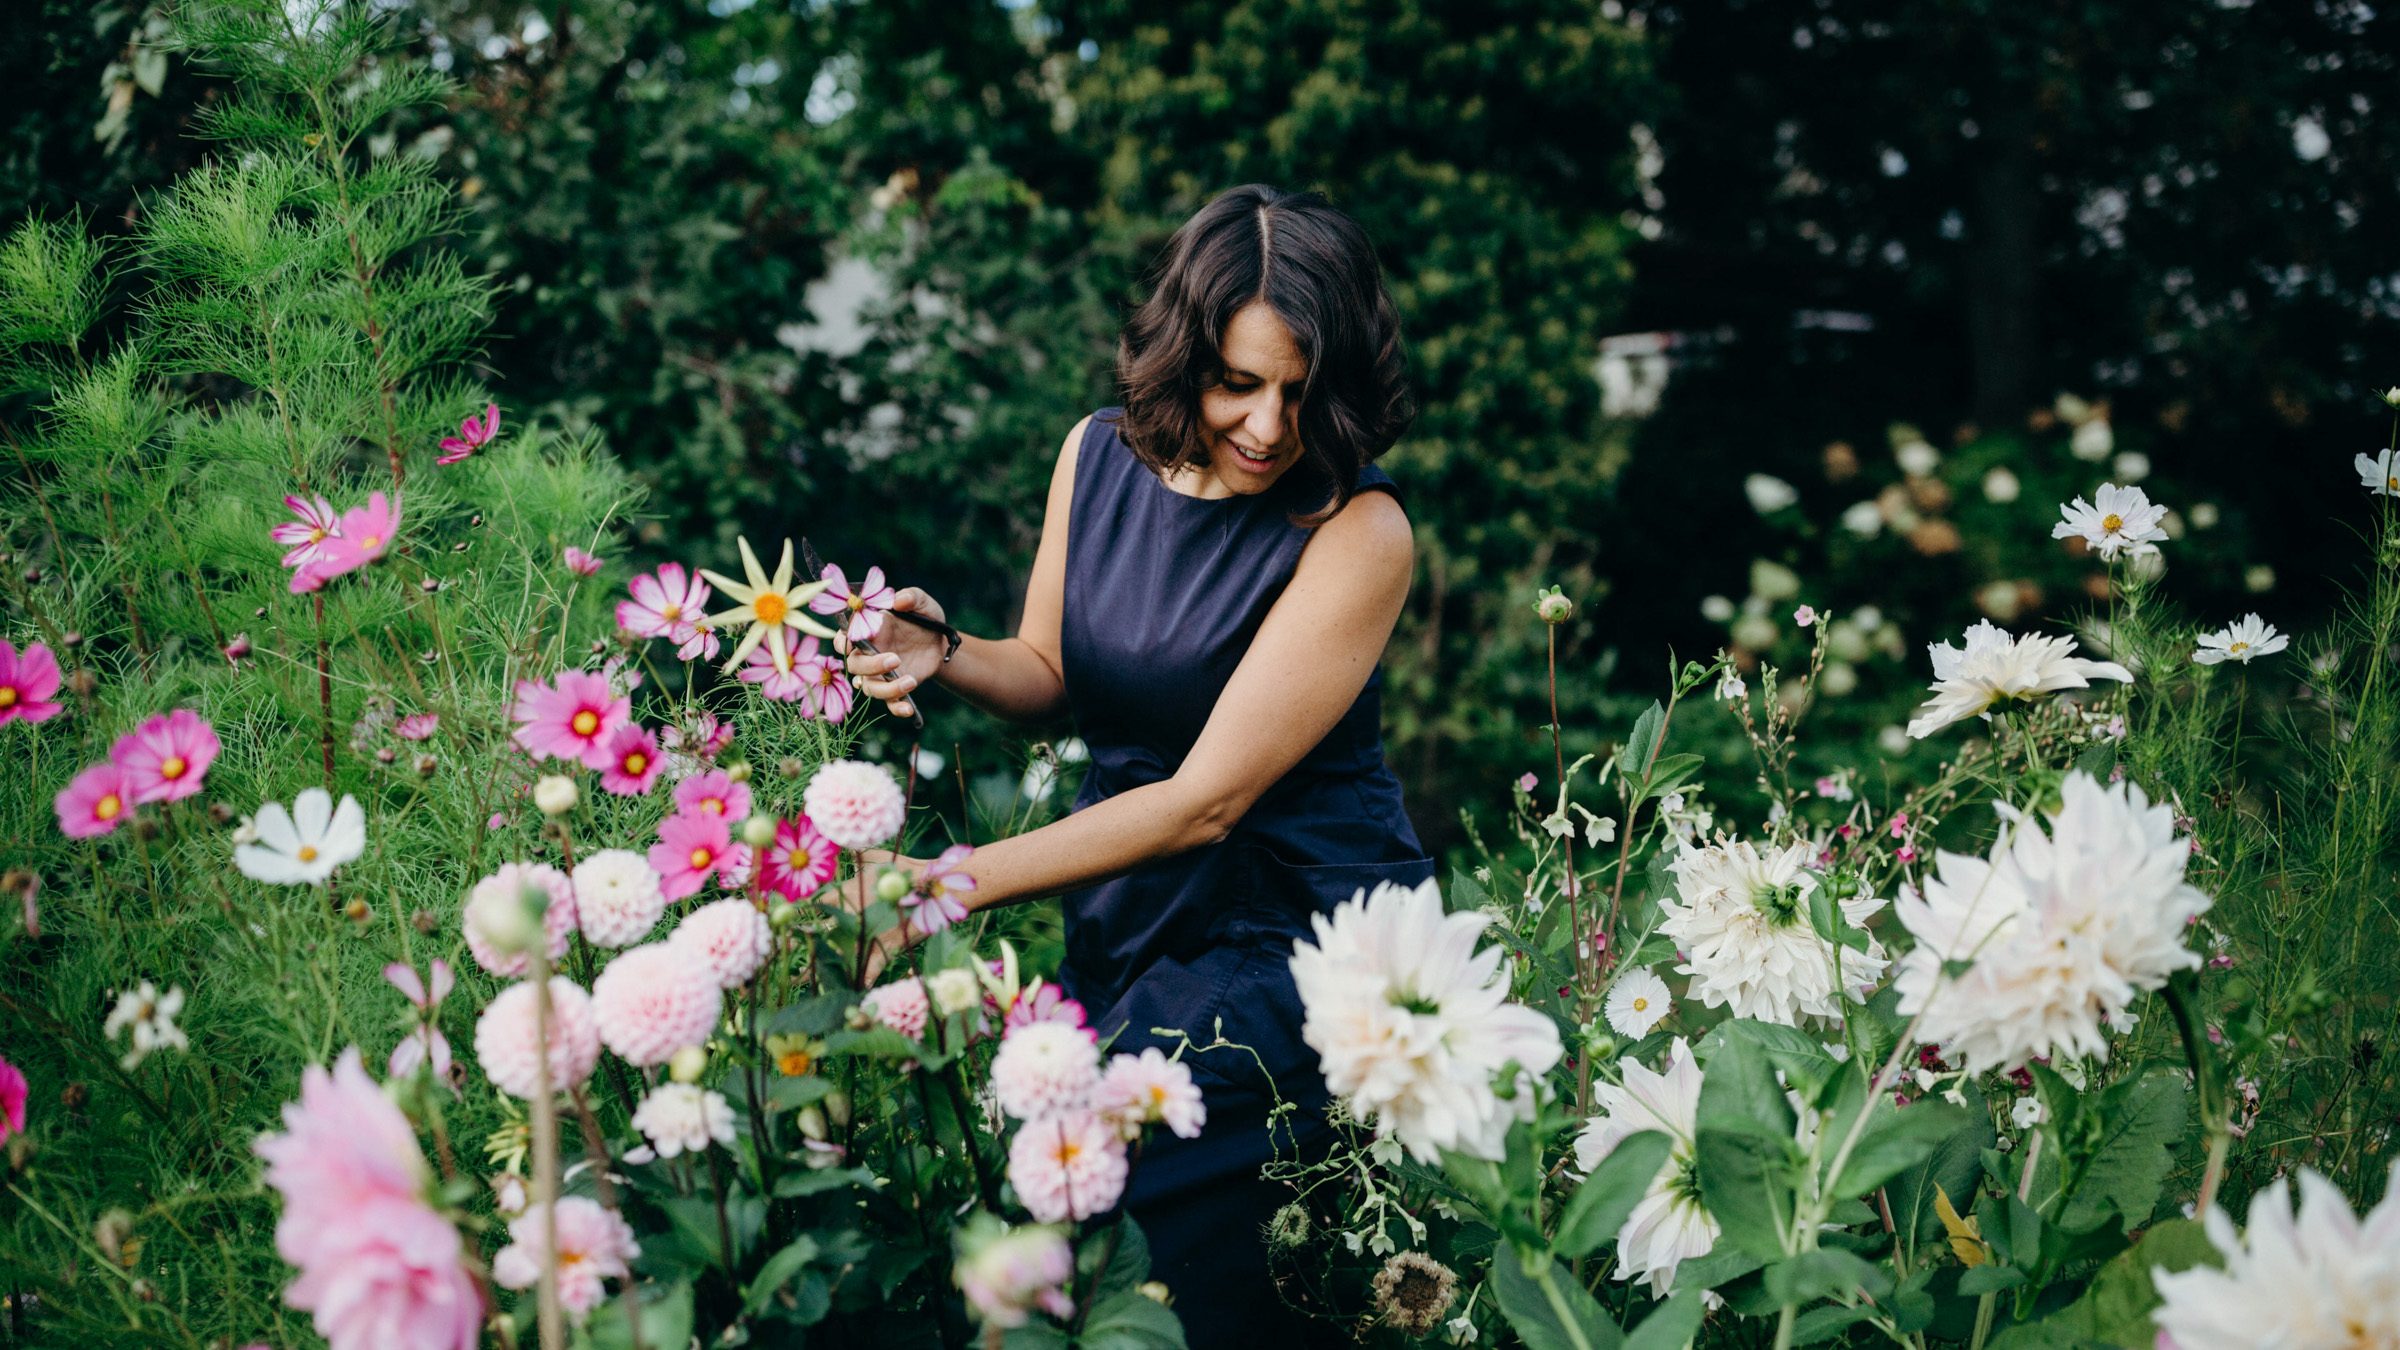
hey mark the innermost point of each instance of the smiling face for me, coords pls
(1249, 418)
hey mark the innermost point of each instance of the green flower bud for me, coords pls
(892, 885)
(686, 1065)
(1553, 607)
(758, 831)
(556, 794)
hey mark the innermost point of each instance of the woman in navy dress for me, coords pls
(1220, 568)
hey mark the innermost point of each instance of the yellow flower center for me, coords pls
(2238, 648)
(712, 806)
(794, 1063)
(857, 603)
(1068, 1152)
(2111, 523)
(308, 853)
(171, 767)
(1158, 1094)
(316, 536)
(636, 762)
(671, 613)
(1640, 1004)
(2393, 483)
(586, 722)
(108, 807)
(8, 696)
(770, 608)
(371, 543)
(700, 857)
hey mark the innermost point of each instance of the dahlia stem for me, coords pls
(545, 1154)
(596, 1149)
(1544, 1276)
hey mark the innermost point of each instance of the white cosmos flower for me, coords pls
(303, 846)
(1637, 1003)
(1411, 1022)
(1668, 1226)
(2379, 473)
(2063, 927)
(2116, 520)
(1996, 667)
(1768, 494)
(1743, 926)
(150, 1016)
(2318, 1279)
(2240, 641)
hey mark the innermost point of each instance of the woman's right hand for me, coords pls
(905, 654)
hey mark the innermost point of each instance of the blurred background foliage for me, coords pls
(1716, 307)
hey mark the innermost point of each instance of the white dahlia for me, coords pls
(1743, 927)
(730, 936)
(1411, 1022)
(618, 897)
(2063, 928)
(1995, 667)
(682, 1118)
(1669, 1226)
(2116, 520)
(2318, 1279)
(1045, 1069)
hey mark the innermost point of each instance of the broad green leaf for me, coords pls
(2115, 1308)
(1601, 1204)
(1823, 1324)
(1746, 1180)
(1563, 1317)
(1825, 1273)
(810, 1182)
(2140, 1122)
(1898, 1138)
(778, 1272)
(1129, 1321)
(1128, 1261)
(1642, 746)
(1739, 1091)
(666, 1320)
(1951, 1167)
(1671, 1325)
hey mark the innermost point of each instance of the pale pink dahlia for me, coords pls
(713, 793)
(1045, 1069)
(618, 897)
(801, 860)
(166, 757)
(1136, 1090)
(633, 762)
(655, 1000)
(855, 804)
(572, 717)
(505, 1043)
(1068, 1166)
(729, 936)
(690, 849)
(1007, 1273)
(901, 1005)
(490, 912)
(594, 1244)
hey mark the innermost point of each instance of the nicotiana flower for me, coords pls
(167, 756)
(1067, 1166)
(317, 522)
(494, 917)
(730, 936)
(1412, 1022)
(770, 605)
(1669, 1226)
(1007, 1273)
(2248, 637)
(2379, 473)
(1743, 922)
(690, 850)
(26, 683)
(680, 1118)
(800, 861)
(2314, 1277)
(1043, 1069)
(572, 717)
(2116, 520)
(865, 604)
(653, 1001)
(713, 793)
(150, 1016)
(2063, 928)
(594, 1245)
(303, 846)
(1637, 1003)
(633, 762)
(855, 804)
(512, 1055)
(1994, 667)
(474, 433)
(95, 803)
(671, 604)
(1137, 1090)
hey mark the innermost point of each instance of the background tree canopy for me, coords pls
(853, 269)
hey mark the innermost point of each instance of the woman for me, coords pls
(1219, 571)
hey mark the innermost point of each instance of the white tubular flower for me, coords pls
(1743, 924)
(2316, 1279)
(2063, 928)
(1995, 667)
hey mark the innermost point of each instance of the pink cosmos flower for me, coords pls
(579, 562)
(572, 717)
(317, 523)
(508, 1049)
(594, 1244)
(865, 605)
(653, 1001)
(901, 1005)
(366, 534)
(830, 692)
(800, 861)
(26, 683)
(1069, 1166)
(936, 901)
(689, 850)
(473, 434)
(669, 604)
(854, 803)
(1043, 1002)
(1138, 1089)
(95, 803)
(424, 1046)
(633, 762)
(785, 677)
(166, 757)
(12, 1100)
(419, 726)
(729, 936)
(713, 793)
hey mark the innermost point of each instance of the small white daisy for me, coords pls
(2240, 641)
(2116, 520)
(151, 1017)
(1637, 1003)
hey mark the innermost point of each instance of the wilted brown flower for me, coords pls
(1412, 1291)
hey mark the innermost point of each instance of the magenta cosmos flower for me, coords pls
(473, 434)
(306, 537)
(95, 803)
(713, 793)
(690, 849)
(572, 717)
(633, 762)
(12, 1100)
(166, 757)
(419, 726)
(26, 683)
(865, 603)
(784, 677)
(800, 861)
(670, 604)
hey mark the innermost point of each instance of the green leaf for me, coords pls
(1825, 1273)
(874, 1042)
(1671, 1325)
(1130, 1321)
(1723, 1264)
(1989, 1279)
(794, 1184)
(1739, 1091)
(666, 1319)
(778, 1272)
(1563, 1317)
(1035, 1335)
(1670, 773)
(1128, 1262)
(2115, 1308)
(1952, 1166)
(2139, 1124)
(1648, 731)
(1803, 1061)
(1898, 1138)
(1826, 920)
(1466, 893)
(1601, 1204)
(1823, 1324)
(1746, 1180)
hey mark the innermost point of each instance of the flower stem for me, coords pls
(551, 1313)
(324, 686)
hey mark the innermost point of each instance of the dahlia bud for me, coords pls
(220, 814)
(555, 794)
(514, 929)
(812, 1124)
(2391, 396)
(429, 585)
(426, 764)
(837, 1107)
(71, 640)
(758, 831)
(386, 755)
(1553, 607)
(892, 885)
(686, 1065)
(739, 771)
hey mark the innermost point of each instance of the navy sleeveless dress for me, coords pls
(1164, 593)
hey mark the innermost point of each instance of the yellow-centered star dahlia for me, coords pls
(768, 606)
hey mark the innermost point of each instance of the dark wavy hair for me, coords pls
(1315, 268)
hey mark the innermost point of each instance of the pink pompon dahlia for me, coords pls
(670, 604)
(653, 1001)
(782, 676)
(633, 762)
(1045, 1069)
(855, 804)
(594, 1245)
(492, 912)
(167, 756)
(865, 603)
(938, 899)
(729, 936)
(617, 897)
(901, 1005)
(367, 533)
(690, 849)
(801, 860)
(579, 562)
(96, 802)
(830, 692)
(1069, 1166)
(572, 717)
(1137, 1090)
(26, 683)
(508, 1049)
(306, 537)
(713, 793)
(12, 1100)
(474, 433)
(1007, 1273)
